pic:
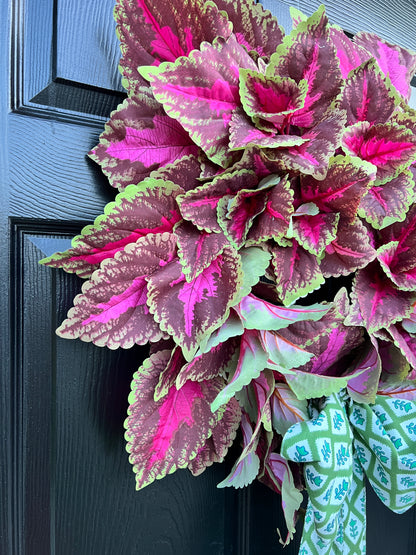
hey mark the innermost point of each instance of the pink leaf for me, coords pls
(296, 272)
(167, 434)
(190, 311)
(138, 211)
(201, 92)
(165, 142)
(112, 308)
(151, 32)
(397, 63)
(390, 147)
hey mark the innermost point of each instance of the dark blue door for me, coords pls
(67, 485)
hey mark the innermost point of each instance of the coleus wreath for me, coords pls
(258, 170)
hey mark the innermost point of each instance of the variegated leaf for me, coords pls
(151, 32)
(112, 308)
(138, 211)
(197, 249)
(396, 62)
(349, 251)
(273, 100)
(254, 27)
(388, 203)
(217, 445)
(345, 184)
(201, 93)
(314, 233)
(165, 435)
(296, 272)
(200, 205)
(390, 147)
(312, 157)
(366, 96)
(315, 61)
(192, 310)
(215, 362)
(381, 303)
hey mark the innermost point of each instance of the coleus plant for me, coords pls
(263, 242)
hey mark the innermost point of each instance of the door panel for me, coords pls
(67, 485)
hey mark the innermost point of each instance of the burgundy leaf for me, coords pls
(184, 172)
(309, 54)
(346, 182)
(243, 134)
(211, 364)
(273, 221)
(112, 308)
(350, 55)
(388, 256)
(236, 215)
(390, 147)
(167, 434)
(168, 375)
(314, 233)
(254, 27)
(296, 271)
(349, 251)
(388, 203)
(217, 445)
(398, 257)
(381, 304)
(312, 157)
(200, 206)
(197, 249)
(189, 311)
(330, 348)
(151, 32)
(366, 96)
(138, 211)
(201, 92)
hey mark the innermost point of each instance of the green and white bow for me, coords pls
(338, 445)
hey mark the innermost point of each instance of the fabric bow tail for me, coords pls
(335, 516)
(341, 443)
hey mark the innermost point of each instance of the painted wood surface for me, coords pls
(66, 485)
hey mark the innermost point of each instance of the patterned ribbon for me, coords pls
(338, 445)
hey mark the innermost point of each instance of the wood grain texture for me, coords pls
(394, 20)
(49, 163)
(87, 49)
(76, 491)
(66, 485)
(58, 51)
